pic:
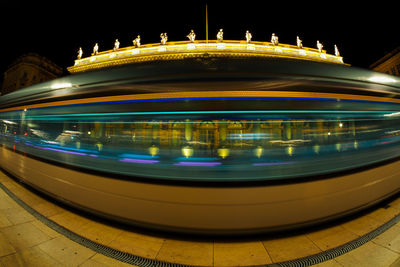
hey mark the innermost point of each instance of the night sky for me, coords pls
(56, 29)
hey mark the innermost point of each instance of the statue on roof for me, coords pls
(116, 45)
(80, 52)
(191, 36)
(337, 51)
(248, 37)
(274, 39)
(164, 38)
(220, 35)
(136, 41)
(299, 43)
(319, 46)
(96, 49)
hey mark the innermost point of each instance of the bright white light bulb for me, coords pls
(61, 85)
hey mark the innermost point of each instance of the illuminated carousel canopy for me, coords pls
(199, 49)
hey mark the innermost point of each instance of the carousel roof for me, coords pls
(199, 49)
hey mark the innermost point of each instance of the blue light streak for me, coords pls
(138, 156)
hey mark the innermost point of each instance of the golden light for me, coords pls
(355, 144)
(316, 149)
(60, 85)
(187, 151)
(99, 146)
(258, 151)
(290, 150)
(223, 152)
(153, 150)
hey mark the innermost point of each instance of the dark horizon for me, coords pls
(56, 31)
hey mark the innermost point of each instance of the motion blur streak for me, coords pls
(221, 145)
(243, 145)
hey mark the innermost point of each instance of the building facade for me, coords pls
(27, 70)
(389, 64)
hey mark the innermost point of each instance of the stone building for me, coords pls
(389, 64)
(27, 70)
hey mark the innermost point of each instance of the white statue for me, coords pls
(191, 36)
(220, 35)
(116, 45)
(319, 46)
(80, 52)
(164, 38)
(96, 49)
(274, 39)
(136, 42)
(299, 43)
(248, 37)
(337, 51)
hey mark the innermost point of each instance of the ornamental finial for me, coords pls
(274, 39)
(116, 45)
(319, 46)
(136, 41)
(299, 43)
(80, 52)
(164, 38)
(248, 37)
(220, 35)
(191, 36)
(96, 49)
(337, 51)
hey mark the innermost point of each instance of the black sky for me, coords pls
(363, 31)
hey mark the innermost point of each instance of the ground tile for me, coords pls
(7, 203)
(48, 209)
(99, 260)
(389, 239)
(45, 229)
(24, 235)
(362, 225)
(284, 249)
(395, 204)
(331, 237)
(240, 254)
(66, 251)
(5, 246)
(396, 263)
(186, 252)
(328, 263)
(28, 197)
(4, 177)
(30, 257)
(4, 222)
(69, 220)
(367, 255)
(99, 232)
(18, 215)
(137, 244)
(383, 215)
(19, 190)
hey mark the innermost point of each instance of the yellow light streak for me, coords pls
(201, 94)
